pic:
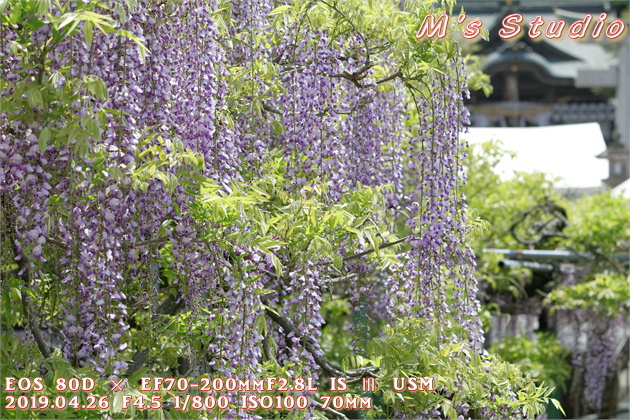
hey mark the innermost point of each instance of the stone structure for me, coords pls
(561, 81)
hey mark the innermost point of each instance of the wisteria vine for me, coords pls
(109, 186)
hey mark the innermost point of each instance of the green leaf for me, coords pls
(93, 129)
(557, 404)
(270, 309)
(261, 324)
(35, 98)
(34, 23)
(280, 9)
(276, 264)
(337, 261)
(142, 49)
(116, 402)
(88, 29)
(43, 7)
(137, 375)
(44, 136)
(66, 19)
(277, 128)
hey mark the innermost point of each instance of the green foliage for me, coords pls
(167, 154)
(543, 358)
(508, 280)
(500, 202)
(25, 361)
(600, 223)
(597, 226)
(293, 229)
(607, 294)
(32, 95)
(335, 341)
(462, 376)
(478, 79)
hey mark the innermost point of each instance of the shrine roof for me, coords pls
(559, 58)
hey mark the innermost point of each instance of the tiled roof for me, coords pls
(571, 113)
(561, 59)
(531, 4)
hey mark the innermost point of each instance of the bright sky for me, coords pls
(566, 151)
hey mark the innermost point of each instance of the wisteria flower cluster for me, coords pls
(192, 183)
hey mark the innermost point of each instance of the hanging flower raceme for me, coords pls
(311, 123)
(374, 132)
(593, 337)
(443, 289)
(252, 134)
(175, 94)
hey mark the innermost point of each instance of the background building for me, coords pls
(547, 81)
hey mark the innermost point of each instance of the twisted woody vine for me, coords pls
(240, 190)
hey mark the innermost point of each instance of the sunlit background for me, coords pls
(563, 107)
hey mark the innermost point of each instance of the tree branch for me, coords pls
(327, 366)
(271, 109)
(340, 279)
(388, 78)
(22, 273)
(357, 75)
(43, 347)
(332, 368)
(56, 243)
(169, 307)
(369, 251)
